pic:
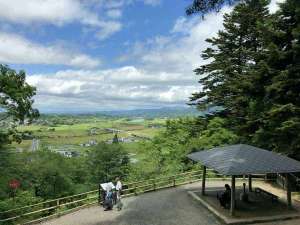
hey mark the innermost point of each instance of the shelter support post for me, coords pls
(250, 182)
(288, 191)
(203, 180)
(232, 204)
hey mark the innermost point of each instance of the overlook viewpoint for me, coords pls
(149, 112)
(173, 206)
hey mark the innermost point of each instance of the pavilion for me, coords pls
(245, 160)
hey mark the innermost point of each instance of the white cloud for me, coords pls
(121, 3)
(164, 75)
(273, 7)
(107, 29)
(56, 12)
(152, 2)
(110, 89)
(179, 51)
(184, 24)
(114, 13)
(16, 49)
(47, 11)
(63, 12)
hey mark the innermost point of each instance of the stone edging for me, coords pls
(233, 221)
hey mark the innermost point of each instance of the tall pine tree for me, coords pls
(281, 120)
(227, 80)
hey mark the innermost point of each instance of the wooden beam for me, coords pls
(288, 191)
(250, 182)
(203, 180)
(232, 203)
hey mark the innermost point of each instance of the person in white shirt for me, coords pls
(119, 192)
(118, 185)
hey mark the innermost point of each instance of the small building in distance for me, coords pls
(35, 145)
(89, 143)
(94, 131)
(68, 154)
(127, 140)
(123, 140)
(112, 130)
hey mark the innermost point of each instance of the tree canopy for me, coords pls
(253, 73)
(106, 162)
(205, 6)
(16, 95)
(16, 103)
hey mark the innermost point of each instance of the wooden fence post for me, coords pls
(57, 205)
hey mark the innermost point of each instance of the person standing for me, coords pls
(109, 197)
(119, 192)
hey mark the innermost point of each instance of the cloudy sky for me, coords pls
(93, 55)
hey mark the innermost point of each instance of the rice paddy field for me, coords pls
(83, 132)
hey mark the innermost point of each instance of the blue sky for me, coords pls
(91, 55)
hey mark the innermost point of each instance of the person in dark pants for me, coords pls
(103, 196)
(108, 201)
(114, 196)
(225, 197)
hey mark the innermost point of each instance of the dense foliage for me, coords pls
(15, 103)
(106, 162)
(166, 153)
(253, 74)
(15, 108)
(205, 6)
(46, 175)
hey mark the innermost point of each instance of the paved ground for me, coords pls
(166, 207)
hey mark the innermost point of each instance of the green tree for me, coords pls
(281, 120)
(234, 55)
(21, 199)
(15, 102)
(11, 168)
(106, 162)
(205, 6)
(166, 153)
(49, 174)
(216, 134)
(16, 95)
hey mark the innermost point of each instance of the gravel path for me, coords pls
(166, 207)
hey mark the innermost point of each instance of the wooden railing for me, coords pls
(60, 206)
(48, 208)
(56, 207)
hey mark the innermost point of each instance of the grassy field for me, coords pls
(65, 137)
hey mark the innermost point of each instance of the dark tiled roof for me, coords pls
(245, 159)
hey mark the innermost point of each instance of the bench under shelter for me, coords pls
(245, 160)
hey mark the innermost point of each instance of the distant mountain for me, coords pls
(169, 112)
(154, 113)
